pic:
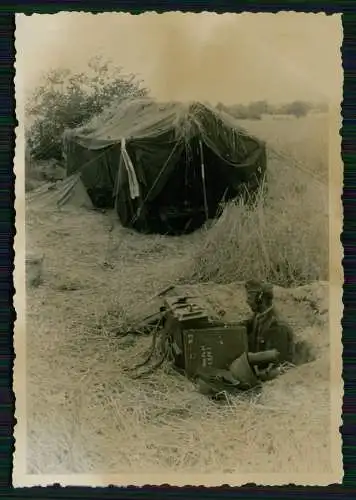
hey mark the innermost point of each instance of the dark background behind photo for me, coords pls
(7, 218)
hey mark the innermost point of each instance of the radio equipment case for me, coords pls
(200, 339)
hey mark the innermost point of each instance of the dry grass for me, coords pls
(284, 239)
(85, 414)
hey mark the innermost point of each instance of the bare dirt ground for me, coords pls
(86, 415)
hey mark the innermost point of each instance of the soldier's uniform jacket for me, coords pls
(267, 331)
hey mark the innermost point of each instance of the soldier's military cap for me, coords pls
(258, 286)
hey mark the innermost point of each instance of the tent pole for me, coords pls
(203, 180)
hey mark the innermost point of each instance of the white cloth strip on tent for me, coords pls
(133, 182)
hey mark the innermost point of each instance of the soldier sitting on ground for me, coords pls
(266, 332)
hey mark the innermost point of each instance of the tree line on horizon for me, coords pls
(257, 109)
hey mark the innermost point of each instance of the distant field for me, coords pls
(304, 139)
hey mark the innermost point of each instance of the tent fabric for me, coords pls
(144, 119)
(69, 191)
(141, 156)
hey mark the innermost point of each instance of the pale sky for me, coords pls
(229, 58)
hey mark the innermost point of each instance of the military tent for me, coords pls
(165, 167)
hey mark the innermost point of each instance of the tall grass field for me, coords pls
(85, 413)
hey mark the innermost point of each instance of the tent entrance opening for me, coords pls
(193, 192)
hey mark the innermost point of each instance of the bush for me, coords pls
(283, 239)
(68, 100)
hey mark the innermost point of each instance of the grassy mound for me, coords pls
(282, 239)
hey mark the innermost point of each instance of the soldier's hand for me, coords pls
(283, 368)
(269, 374)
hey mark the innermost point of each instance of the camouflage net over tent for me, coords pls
(164, 166)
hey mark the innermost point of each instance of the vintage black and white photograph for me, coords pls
(177, 258)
